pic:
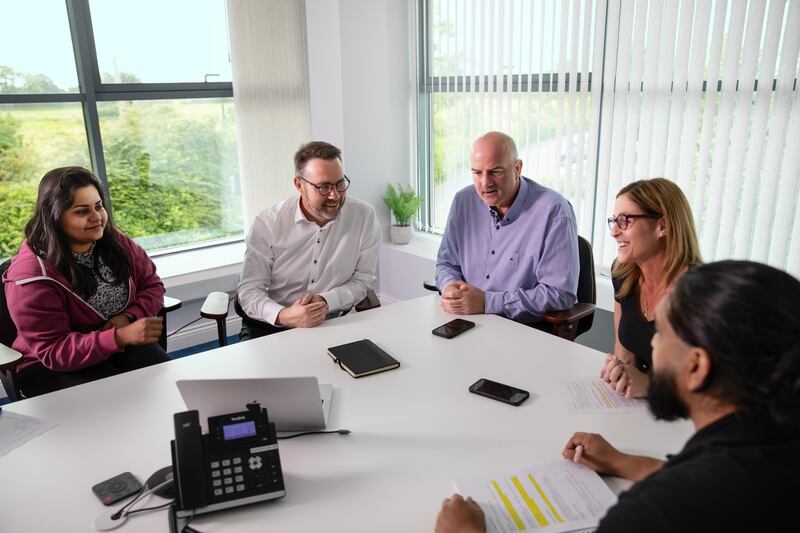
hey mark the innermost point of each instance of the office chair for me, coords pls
(578, 319)
(215, 308)
(571, 322)
(10, 359)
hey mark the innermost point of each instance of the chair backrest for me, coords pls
(8, 331)
(587, 290)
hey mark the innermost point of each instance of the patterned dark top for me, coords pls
(110, 298)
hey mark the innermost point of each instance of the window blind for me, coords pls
(523, 68)
(600, 93)
(704, 93)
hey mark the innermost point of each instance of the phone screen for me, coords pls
(499, 391)
(453, 328)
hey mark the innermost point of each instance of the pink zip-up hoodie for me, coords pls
(58, 328)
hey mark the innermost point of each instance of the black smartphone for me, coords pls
(453, 328)
(498, 391)
(117, 488)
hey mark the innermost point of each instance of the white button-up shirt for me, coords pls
(288, 255)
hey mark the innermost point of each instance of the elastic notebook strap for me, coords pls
(339, 361)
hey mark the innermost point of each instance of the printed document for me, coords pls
(591, 395)
(561, 496)
(16, 430)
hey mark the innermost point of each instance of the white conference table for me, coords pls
(414, 429)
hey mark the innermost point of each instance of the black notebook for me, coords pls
(362, 358)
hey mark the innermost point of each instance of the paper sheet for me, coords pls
(16, 430)
(591, 395)
(561, 496)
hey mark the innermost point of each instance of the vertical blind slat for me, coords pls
(758, 129)
(709, 111)
(767, 230)
(662, 96)
(679, 103)
(694, 96)
(786, 225)
(742, 102)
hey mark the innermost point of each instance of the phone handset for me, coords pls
(187, 461)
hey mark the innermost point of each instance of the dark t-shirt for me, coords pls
(738, 474)
(635, 332)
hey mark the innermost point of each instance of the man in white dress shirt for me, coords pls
(309, 257)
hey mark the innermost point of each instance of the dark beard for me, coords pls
(663, 399)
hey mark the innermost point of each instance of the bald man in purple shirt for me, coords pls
(510, 247)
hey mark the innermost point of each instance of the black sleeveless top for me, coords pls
(635, 332)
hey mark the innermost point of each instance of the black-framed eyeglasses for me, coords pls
(623, 221)
(326, 188)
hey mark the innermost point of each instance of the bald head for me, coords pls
(496, 170)
(498, 142)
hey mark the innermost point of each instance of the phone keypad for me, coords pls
(245, 474)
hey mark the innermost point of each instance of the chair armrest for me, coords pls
(170, 304)
(430, 284)
(216, 306)
(9, 358)
(370, 301)
(573, 314)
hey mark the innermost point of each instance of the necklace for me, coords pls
(644, 305)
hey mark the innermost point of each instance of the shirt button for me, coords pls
(312, 281)
(492, 252)
(317, 241)
(487, 276)
(497, 227)
(315, 261)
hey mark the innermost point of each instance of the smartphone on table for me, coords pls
(499, 391)
(453, 328)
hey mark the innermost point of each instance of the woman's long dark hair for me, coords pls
(746, 315)
(46, 237)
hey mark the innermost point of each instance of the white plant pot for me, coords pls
(401, 234)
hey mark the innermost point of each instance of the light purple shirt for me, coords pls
(527, 263)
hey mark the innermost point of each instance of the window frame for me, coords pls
(92, 90)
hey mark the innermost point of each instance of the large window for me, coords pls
(139, 92)
(600, 93)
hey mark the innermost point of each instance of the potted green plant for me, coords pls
(403, 203)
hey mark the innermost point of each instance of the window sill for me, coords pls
(426, 245)
(191, 274)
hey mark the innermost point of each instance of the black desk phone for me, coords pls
(235, 463)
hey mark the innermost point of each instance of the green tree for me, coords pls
(38, 84)
(122, 77)
(15, 163)
(8, 80)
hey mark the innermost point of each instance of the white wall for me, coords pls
(365, 105)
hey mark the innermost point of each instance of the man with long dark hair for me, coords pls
(82, 295)
(726, 354)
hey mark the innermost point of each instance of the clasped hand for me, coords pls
(624, 377)
(306, 312)
(460, 298)
(143, 331)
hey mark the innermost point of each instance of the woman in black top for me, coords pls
(656, 243)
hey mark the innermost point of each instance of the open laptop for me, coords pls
(293, 404)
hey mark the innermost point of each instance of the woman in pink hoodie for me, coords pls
(82, 295)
